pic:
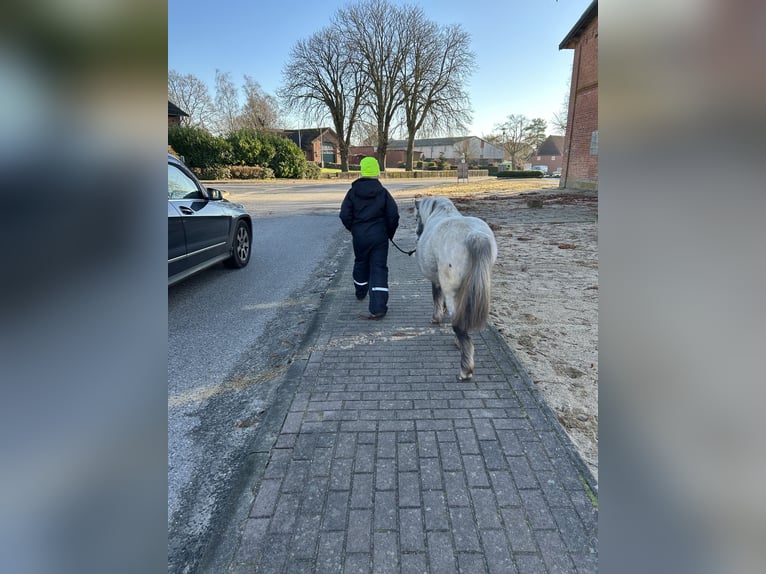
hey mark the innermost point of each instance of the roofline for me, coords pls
(590, 13)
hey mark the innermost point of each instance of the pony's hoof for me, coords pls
(462, 377)
(435, 321)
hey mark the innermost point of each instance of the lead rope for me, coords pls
(409, 253)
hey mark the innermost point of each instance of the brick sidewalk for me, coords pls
(381, 461)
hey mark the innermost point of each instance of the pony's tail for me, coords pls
(473, 297)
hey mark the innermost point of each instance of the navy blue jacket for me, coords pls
(369, 211)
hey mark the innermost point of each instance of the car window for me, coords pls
(181, 186)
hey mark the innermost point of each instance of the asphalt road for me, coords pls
(231, 335)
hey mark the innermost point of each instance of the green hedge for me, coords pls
(520, 173)
(199, 147)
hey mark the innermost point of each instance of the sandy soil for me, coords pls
(545, 291)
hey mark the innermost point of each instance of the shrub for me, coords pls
(520, 173)
(199, 147)
(251, 172)
(288, 160)
(247, 148)
(212, 172)
(312, 171)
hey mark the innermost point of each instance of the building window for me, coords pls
(594, 143)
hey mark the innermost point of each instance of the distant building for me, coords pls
(548, 154)
(475, 150)
(319, 145)
(175, 114)
(580, 165)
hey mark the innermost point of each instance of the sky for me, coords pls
(520, 69)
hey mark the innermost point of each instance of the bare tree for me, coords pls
(191, 94)
(438, 62)
(321, 79)
(261, 110)
(228, 109)
(374, 30)
(520, 137)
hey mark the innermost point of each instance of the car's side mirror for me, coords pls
(214, 194)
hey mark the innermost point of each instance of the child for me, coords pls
(370, 213)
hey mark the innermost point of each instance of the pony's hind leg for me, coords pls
(466, 353)
(439, 306)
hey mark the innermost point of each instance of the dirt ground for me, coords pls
(545, 291)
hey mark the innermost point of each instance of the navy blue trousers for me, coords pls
(371, 273)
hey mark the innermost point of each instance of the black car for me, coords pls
(203, 228)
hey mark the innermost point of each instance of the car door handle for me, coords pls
(185, 210)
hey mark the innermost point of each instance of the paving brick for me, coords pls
(365, 458)
(266, 499)
(430, 474)
(361, 491)
(411, 531)
(300, 567)
(474, 470)
(464, 530)
(285, 514)
(385, 474)
(441, 554)
(492, 455)
(485, 508)
(385, 514)
(407, 458)
(457, 493)
(386, 445)
(340, 474)
(359, 531)
(554, 552)
(504, 488)
(435, 510)
(306, 536)
(537, 510)
(336, 511)
(522, 474)
(330, 553)
(409, 489)
(358, 564)
(274, 557)
(530, 564)
(346, 446)
(497, 552)
(427, 444)
(471, 563)
(251, 542)
(295, 478)
(450, 456)
(519, 532)
(385, 556)
(314, 494)
(414, 564)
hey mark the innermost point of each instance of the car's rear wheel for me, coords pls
(242, 246)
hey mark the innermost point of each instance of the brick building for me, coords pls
(548, 154)
(580, 165)
(175, 114)
(319, 145)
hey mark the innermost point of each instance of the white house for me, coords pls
(474, 149)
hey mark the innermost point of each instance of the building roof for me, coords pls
(553, 145)
(574, 34)
(174, 110)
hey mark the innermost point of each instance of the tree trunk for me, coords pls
(410, 148)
